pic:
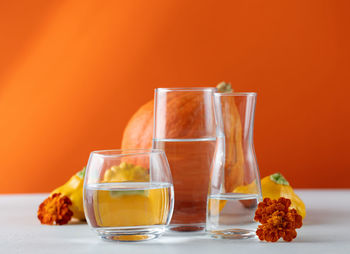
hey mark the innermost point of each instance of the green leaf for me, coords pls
(279, 179)
(81, 173)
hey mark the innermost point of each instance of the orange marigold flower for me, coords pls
(277, 220)
(55, 210)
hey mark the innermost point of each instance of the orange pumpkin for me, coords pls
(139, 131)
(187, 108)
(234, 159)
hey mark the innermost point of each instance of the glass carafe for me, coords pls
(234, 189)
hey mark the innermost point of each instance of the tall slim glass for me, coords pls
(185, 128)
(234, 189)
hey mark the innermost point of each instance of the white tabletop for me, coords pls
(326, 230)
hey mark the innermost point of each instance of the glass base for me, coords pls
(132, 234)
(232, 234)
(187, 227)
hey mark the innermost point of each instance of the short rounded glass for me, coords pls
(128, 194)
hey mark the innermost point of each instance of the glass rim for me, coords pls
(236, 94)
(185, 89)
(128, 152)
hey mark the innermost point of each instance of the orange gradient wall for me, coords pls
(73, 72)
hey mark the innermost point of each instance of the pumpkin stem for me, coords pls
(279, 179)
(224, 87)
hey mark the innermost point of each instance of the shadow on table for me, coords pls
(195, 239)
(77, 222)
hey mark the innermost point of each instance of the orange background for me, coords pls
(73, 72)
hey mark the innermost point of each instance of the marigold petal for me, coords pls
(277, 220)
(55, 210)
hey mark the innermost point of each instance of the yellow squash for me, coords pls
(73, 189)
(126, 172)
(274, 187)
(130, 208)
